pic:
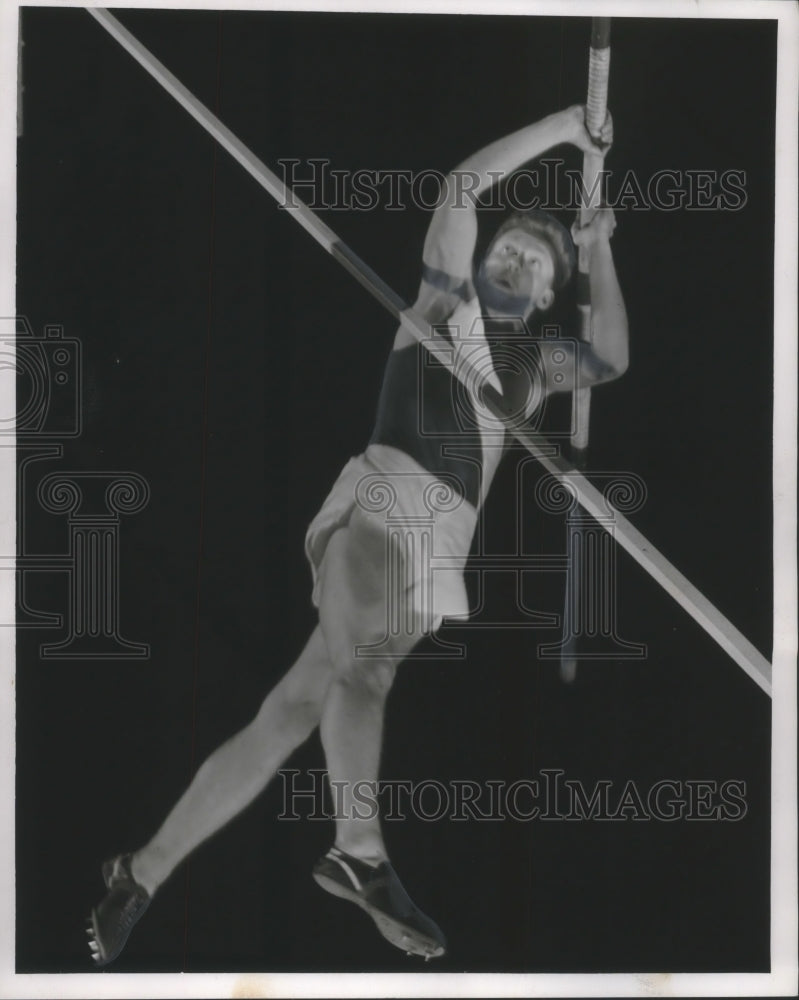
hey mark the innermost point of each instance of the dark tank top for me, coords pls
(424, 411)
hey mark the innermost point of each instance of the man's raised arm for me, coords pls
(452, 233)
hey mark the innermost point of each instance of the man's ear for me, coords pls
(545, 300)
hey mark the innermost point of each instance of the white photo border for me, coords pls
(782, 980)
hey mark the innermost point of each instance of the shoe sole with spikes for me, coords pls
(111, 921)
(407, 939)
(379, 893)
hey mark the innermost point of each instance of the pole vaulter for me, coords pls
(731, 640)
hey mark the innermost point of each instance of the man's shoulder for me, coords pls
(443, 295)
(457, 287)
(444, 313)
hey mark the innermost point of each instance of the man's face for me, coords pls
(519, 264)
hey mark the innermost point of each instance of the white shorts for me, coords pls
(417, 517)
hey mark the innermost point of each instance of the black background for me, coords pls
(231, 363)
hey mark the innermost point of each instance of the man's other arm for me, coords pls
(607, 356)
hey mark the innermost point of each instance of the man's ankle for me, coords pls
(370, 853)
(142, 873)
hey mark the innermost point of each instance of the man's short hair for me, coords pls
(545, 227)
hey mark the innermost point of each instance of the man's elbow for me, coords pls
(597, 369)
(613, 370)
(611, 341)
(450, 241)
(616, 360)
(619, 366)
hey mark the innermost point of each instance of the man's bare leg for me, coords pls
(352, 611)
(352, 734)
(239, 769)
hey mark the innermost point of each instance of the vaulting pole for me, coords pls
(592, 499)
(596, 107)
(595, 112)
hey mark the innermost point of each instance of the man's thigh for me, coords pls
(363, 601)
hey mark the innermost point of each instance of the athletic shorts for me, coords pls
(403, 509)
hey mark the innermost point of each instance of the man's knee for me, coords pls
(297, 699)
(373, 676)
